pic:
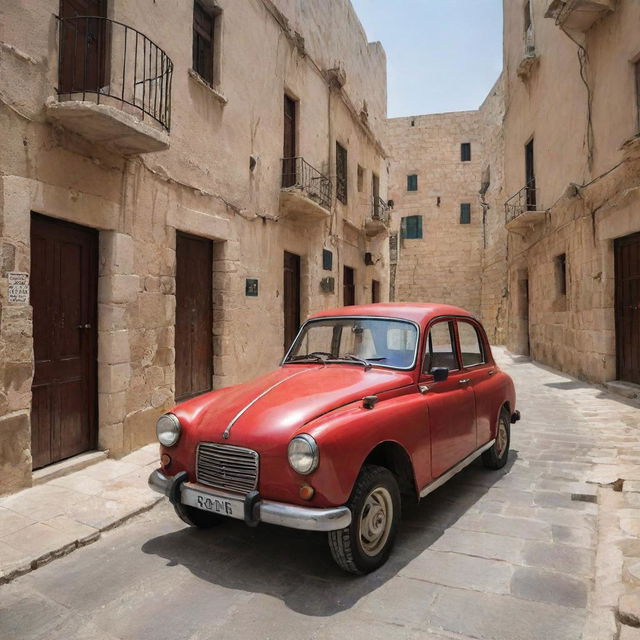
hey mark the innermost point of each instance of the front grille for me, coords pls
(227, 467)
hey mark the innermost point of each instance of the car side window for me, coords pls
(440, 350)
(471, 349)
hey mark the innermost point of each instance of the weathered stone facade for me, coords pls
(220, 179)
(587, 179)
(443, 265)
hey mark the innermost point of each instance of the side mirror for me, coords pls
(440, 374)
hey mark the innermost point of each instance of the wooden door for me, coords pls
(289, 143)
(627, 272)
(64, 281)
(194, 316)
(291, 298)
(84, 46)
(375, 291)
(530, 176)
(349, 287)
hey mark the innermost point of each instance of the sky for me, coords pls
(442, 55)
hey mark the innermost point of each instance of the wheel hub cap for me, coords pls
(375, 521)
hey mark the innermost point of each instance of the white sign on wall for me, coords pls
(18, 287)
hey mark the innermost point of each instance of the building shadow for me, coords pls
(297, 567)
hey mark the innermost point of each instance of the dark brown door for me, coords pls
(64, 280)
(194, 316)
(291, 298)
(627, 257)
(375, 291)
(530, 176)
(289, 146)
(84, 45)
(349, 287)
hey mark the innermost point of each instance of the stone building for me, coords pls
(180, 185)
(434, 183)
(572, 179)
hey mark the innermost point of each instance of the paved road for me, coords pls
(494, 555)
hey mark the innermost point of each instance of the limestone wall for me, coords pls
(202, 184)
(445, 264)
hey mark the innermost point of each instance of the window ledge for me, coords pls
(217, 93)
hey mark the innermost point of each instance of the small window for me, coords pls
(465, 152)
(470, 345)
(637, 65)
(360, 179)
(341, 173)
(375, 291)
(412, 182)
(327, 260)
(412, 227)
(561, 274)
(203, 26)
(439, 351)
(465, 213)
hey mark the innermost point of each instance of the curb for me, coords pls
(66, 549)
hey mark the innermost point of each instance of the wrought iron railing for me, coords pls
(379, 210)
(299, 174)
(521, 202)
(112, 63)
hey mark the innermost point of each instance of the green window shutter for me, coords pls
(418, 226)
(411, 227)
(465, 213)
(412, 182)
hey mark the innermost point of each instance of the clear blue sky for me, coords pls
(442, 55)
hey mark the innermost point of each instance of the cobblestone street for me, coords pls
(509, 555)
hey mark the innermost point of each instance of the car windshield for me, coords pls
(369, 341)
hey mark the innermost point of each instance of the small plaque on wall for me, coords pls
(18, 292)
(251, 287)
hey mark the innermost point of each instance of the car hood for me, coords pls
(276, 405)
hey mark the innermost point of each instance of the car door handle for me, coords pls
(492, 372)
(423, 388)
(464, 381)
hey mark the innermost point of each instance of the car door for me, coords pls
(450, 403)
(478, 367)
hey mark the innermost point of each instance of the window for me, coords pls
(375, 186)
(327, 260)
(465, 213)
(412, 227)
(465, 152)
(561, 274)
(341, 173)
(203, 24)
(375, 291)
(440, 350)
(470, 345)
(412, 182)
(637, 65)
(360, 179)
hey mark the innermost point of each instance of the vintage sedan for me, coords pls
(371, 405)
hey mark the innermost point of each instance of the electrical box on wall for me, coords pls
(328, 284)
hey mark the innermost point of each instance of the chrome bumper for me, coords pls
(252, 509)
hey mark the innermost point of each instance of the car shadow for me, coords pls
(297, 567)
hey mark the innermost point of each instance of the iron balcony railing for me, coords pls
(379, 210)
(112, 63)
(521, 202)
(299, 174)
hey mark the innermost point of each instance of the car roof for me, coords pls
(421, 313)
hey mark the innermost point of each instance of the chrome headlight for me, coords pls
(303, 454)
(168, 429)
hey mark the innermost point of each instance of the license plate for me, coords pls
(216, 505)
(212, 503)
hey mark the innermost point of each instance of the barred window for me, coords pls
(465, 152)
(341, 173)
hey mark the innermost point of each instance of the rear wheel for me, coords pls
(496, 457)
(196, 517)
(366, 543)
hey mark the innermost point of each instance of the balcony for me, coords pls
(530, 57)
(378, 220)
(521, 209)
(114, 86)
(578, 15)
(305, 191)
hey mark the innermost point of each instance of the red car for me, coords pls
(372, 405)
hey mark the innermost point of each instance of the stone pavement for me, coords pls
(546, 549)
(52, 519)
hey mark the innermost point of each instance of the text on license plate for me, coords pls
(217, 505)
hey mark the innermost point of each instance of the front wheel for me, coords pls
(496, 456)
(366, 543)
